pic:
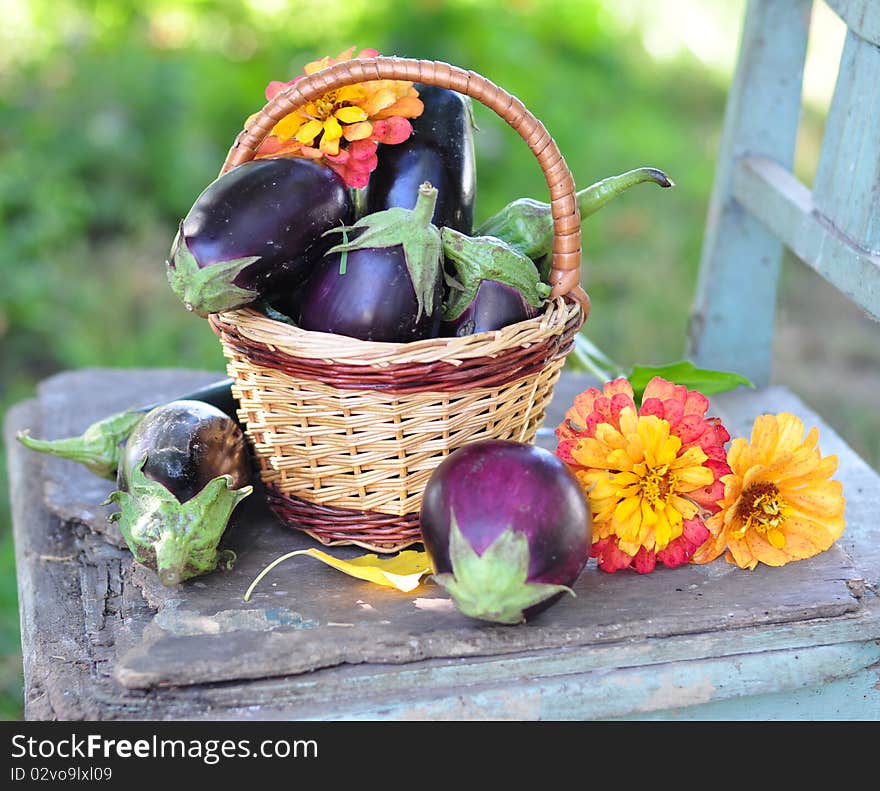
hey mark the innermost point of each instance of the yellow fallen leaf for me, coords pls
(404, 571)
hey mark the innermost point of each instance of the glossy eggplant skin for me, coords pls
(488, 487)
(274, 209)
(494, 306)
(374, 300)
(186, 445)
(440, 151)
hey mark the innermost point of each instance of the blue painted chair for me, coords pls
(759, 209)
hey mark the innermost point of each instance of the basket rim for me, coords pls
(333, 348)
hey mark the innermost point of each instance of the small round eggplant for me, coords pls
(256, 231)
(99, 447)
(186, 444)
(495, 305)
(507, 528)
(374, 299)
(490, 285)
(182, 471)
(440, 151)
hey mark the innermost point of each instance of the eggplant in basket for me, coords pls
(254, 232)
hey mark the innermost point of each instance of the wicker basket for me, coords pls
(347, 432)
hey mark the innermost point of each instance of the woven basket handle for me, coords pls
(565, 275)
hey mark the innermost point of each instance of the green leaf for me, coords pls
(684, 372)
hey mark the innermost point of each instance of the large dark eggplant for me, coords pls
(440, 151)
(385, 284)
(183, 470)
(256, 231)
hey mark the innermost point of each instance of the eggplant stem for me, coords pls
(592, 198)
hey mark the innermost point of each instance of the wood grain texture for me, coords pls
(861, 16)
(627, 646)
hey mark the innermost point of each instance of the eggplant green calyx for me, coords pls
(493, 586)
(98, 447)
(411, 229)
(176, 540)
(527, 224)
(208, 289)
(478, 258)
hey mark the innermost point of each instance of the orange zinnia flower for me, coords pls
(652, 475)
(343, 127)
(780, 503)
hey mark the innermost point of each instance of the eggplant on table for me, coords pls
(181, 467)
(183, 470)
(507, 529)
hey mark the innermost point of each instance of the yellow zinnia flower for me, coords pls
(780, 503)
(640, 481)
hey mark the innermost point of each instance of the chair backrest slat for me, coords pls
(847, 185)
(786, 208)
(758, 207)
(733, 318)
(862, 17)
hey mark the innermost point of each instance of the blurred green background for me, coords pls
(115, 114)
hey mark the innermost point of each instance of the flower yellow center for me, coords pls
(322, 108)
(640, 481)
(657, 485)
(762, 508)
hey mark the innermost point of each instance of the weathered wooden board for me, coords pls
(395, 656)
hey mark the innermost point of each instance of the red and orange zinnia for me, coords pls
(652, 474)
(343, 127)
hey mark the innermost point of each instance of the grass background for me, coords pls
(115, 114)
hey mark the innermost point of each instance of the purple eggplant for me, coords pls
(182, 471)
(185, 445)
(507, 528)
(440, 151)
(384, 285)
(99, 447)
(490, 285)
(374, 300)
(254, 232)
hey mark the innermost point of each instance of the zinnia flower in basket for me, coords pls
(779, 503)
(343, 127)
(652, 474)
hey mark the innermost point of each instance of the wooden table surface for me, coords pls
(101, 639)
